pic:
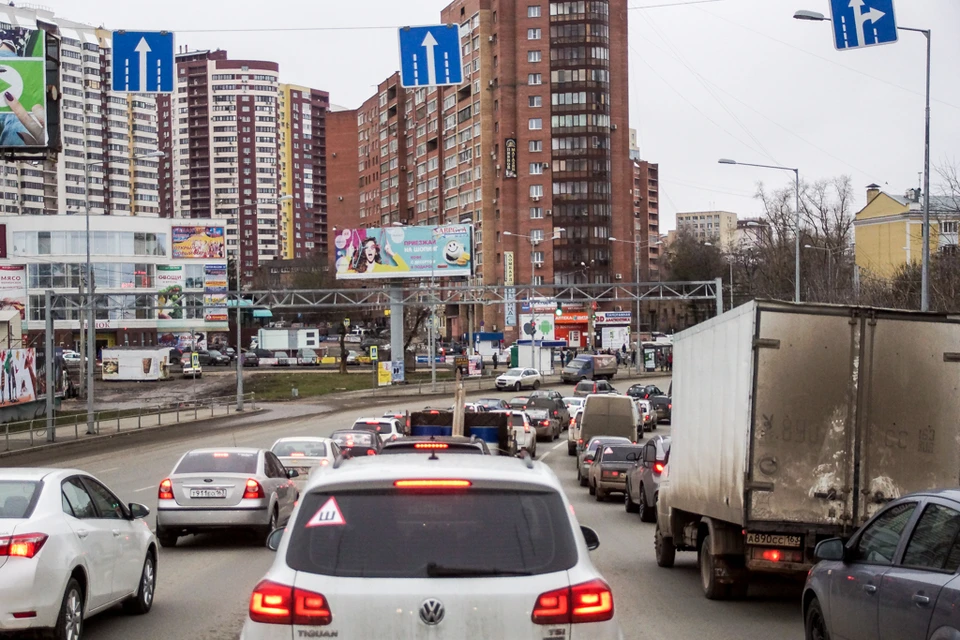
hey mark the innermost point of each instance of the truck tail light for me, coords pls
(24, 545)
(777, 555)
(166, 490)
(587, 602)
(273, 603)
(252, 490)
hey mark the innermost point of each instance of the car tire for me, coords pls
(814, 622)
(712, 589)
(69, 624)
(536, 385)
(581, 478)
(592, 489)
(167, 539)
(628, 504)
(142, 601)
(571, 449)
(648, 513)
(517, 387)
(263, 532)
(599, 494)
(664, 548)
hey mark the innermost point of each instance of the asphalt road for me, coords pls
(205, 582)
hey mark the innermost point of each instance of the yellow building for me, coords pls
(888, 231)
(717, 227)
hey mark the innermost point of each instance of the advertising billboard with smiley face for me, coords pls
(404, 252)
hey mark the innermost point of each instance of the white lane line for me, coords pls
(544, 456)
(562, 444)
(143, 489)
(108, 470)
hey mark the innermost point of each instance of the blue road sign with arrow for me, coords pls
(862, 23)
(143, 62)
(430, 56)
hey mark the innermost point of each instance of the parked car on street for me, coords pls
(229, 488)
(217, 358)
(588, 387)
(608, 473)
(897, 577)
(190, 370)
(518, 379)
(69, 549)
(643, 480)
(589, 367)
(251, 359)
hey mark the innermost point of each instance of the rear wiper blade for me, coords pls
(435, 570)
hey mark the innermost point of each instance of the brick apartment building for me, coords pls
(535, 139)
(646, 213)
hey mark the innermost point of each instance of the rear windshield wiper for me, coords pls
(435, 570)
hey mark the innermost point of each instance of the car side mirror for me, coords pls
(293, 473)
(273, 539)
(590, 537)
(138, 511)
(832, 549)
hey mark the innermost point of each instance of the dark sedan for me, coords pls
(608, 473)
(518, 402)
(357, 443)
(251, 359)
(896, 578)
(660, 401)
(218, 359)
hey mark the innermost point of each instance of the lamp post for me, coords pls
(91, 355)
(816, 16)
(533, 267)
(636, 258)
(796, 172)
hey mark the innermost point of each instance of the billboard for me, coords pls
(13, 288)
(404, 252)
(18, 376)
(198, 242)
(510, 153)
(169, 292)
(215, 293)
(23, 89)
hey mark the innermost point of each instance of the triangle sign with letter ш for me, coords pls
(329, 515)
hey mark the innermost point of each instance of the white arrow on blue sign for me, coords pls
(430, 56)
(862, 23)
(143, 62)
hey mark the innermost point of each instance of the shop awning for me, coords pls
(262, 313)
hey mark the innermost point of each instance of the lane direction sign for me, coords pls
(430, 56)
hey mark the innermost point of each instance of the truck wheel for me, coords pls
(664, 548)
(712, 589)
(814, 624)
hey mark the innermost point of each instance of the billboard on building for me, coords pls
(23, 89)
(215, 293)
(18, 376)
(510, 158)
(198, 242)
(169, 292)
(13, 288)
(404, 252)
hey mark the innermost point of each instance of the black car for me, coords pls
(553, 401)
(493, 404)
(660, 401)
(218, 359)
(251, 359)
(357, 443)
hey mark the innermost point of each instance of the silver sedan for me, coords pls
(306, 454)
(225, 488)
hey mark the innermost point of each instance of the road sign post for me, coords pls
(430, 56)
(143, 62)
(862, 23)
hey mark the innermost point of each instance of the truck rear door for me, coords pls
(910, 408)
(801, 442)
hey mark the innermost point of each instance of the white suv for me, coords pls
(438, 546)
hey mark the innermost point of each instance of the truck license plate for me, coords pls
(773, 540)
(208, 493)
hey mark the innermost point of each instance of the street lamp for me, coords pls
(91, 356)
(533, 267)
(636, 256)
(816, 16)
(796, 172)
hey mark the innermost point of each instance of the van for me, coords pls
(608, 415)
(587, 367)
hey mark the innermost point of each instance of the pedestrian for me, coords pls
(496, 361)
(670, 361)
(618, 357)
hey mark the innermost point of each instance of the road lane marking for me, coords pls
(108, 470)
(562, 444)
(143, 489)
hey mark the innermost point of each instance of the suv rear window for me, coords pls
(395, 534)
(218, 463)
(16, 497)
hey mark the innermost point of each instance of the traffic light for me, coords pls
(559, 311)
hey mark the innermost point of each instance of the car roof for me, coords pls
(949, 494)
(33, 473)
(302, 439)
(375, 418)
(224, 450)
(427, 466)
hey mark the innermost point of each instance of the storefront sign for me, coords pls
(508, 269)
(613, 317)
(510, 152)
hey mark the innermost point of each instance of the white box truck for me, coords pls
(796, 423)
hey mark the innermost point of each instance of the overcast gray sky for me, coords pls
(734, 78)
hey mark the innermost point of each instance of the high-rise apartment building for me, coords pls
(534, 140)
(220, 132)
(303, 171)
(99, 128)
(646, 211)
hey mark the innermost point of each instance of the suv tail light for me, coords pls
(253, 490)
(587, 602)
(166, 490)
(273, 603)
(24, 545)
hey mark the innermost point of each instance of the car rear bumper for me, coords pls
(612, 485)
(544, 431)
(26, 586)
(207, 518)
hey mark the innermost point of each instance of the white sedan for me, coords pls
(519, 378)
(69, 548)
(387, 428)
(305, 454)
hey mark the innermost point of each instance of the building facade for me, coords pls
(718, 227)
(155, 279)
(646, 212)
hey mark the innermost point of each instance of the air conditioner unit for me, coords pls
(613, 127)
(545, 166)
(535, 198)
(538, 264)
(618, 276)
(490, 83)
(549, 212)
(490, 39)
(494, 201)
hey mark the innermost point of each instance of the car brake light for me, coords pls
(588, 602)
(371, 422)
(670, 406)
(431, 445)
(166, 490)
(526, 428)
(773, 555)
(432, 484)
(658, 467)
(371, 452)
(273, 603)
(221, 455)
(253, 490)
(580, 441)
(544, 423)
(25, 545)
(434, 413)
(297, 454)
(324, 462)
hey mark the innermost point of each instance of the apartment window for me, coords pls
(536, 191)
(533, 34)
(536, 101)
(949, 226)
(536, 145)
(536, 168)
(536, 235)
(533, 11)
(536, 213)
(537, 257)
(538, 281)
(535, 124)
(534, 79)
(533, 56)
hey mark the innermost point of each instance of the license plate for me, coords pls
(208, 493)
(773, 540)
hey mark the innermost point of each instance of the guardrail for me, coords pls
(31, 433)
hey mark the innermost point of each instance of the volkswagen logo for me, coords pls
(431, 611)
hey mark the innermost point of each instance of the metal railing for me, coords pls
(67, 426)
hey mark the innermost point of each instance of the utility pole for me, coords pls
(49, 363)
